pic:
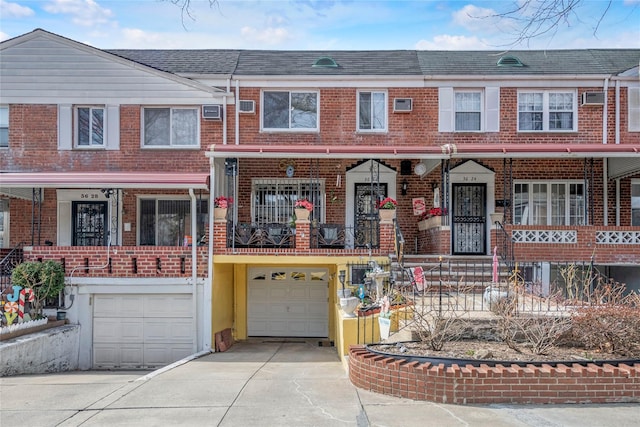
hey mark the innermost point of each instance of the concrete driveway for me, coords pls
(259, 383)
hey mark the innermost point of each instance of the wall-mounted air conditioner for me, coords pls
(402, 105)
(593, 98)
(247, 106)
(212, 112)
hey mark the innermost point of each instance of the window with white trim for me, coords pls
(290, 110)
(89, 130)
(547, 111)
(635, 202)
(171, 127)
(4, 126)
(634, 109)
(549, 203)
(372, 111)
(273, 199)
(4, 223)
(167, 221)
(468, 111)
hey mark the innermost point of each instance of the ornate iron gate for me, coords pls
(367, 226)
(469, 219)
(89, 220)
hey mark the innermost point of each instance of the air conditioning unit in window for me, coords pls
(247, 106)
(212, 112)
(402, 105)
(593, 98)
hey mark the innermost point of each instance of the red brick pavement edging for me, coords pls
(578, 383)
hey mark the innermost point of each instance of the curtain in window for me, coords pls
(304, 110)
(560, 111)
(635, 204)
(530, 111)
(184, 127)
(467, 111)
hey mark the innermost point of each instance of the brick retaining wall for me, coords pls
(578, 383)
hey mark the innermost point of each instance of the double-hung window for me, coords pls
(273, 200)
(372, 111)
(171, 127)
(549, 203)
(468, 111)
(293, 110)
(635, 202)
(90, 129)
(547, 111)
(167, 222)
(4, 127)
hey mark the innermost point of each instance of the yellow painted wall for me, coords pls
(222, 298)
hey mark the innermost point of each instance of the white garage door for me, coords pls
(141, 331)
(288, 302)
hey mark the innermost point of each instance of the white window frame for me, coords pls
(481, 111)
(76, 127)
(283, 209)
(386, 111)
(636, 206)
(546, 109)
(4, 122)
(290, 109)
(4, 219)
(633, 109)
(549, 203)
(171, 145)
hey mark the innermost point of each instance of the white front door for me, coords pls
(288, 302)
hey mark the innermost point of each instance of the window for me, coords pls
(4, 223)
(290, 110)
(635, 203)
(547, 111)
(4, 127)
(171, 127)
(468, 108)
(89, 129)
(167, 222)
(273, 200)
(549, 203)
(372, 111)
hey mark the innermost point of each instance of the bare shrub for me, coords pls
(611, 322)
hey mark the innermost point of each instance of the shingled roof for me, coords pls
(385, 62)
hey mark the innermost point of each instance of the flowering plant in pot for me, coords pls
(387, 203)
(431, 213)
(303, 204)
(222, 202)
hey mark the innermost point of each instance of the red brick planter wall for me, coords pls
(588, 383)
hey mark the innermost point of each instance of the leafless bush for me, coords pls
(611, 322)
(437, 324)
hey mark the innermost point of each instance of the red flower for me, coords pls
(303, 204)
(222, 202)
(387, 203)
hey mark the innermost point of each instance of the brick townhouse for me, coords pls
(111, 161)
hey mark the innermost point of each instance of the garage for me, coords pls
(141, 331)
(288, 302)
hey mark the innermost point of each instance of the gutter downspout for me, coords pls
(224, 116)
(605, 191)
(208, 286)
(617, 114)
(194, 270)
(237, 112)
(605, 112)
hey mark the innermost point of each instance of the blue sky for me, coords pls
(313, 24)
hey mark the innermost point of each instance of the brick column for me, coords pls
(387, 237)
(219, 235)
(303, 234)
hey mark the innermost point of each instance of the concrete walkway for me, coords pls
(259, 383)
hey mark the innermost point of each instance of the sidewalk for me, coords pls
(258, 383)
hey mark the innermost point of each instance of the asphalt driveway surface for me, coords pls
(260, 383)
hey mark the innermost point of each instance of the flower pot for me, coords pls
(496, 217)
(219, 214)
(302, 214)
(348, 306)
(387, 215)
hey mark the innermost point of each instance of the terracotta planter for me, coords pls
(387, 215)
(219, 214)
(302, 214)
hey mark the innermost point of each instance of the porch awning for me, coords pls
(11, 181)
(623, 166)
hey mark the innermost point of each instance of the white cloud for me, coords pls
(4, 36)
(269, 35)
(473, 18)
(14, 10)
(447, 42)
(86, 13)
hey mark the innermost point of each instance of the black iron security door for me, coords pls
(89, 223)
(469, 219)
(366, 224)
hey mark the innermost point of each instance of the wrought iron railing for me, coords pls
(7, 264)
